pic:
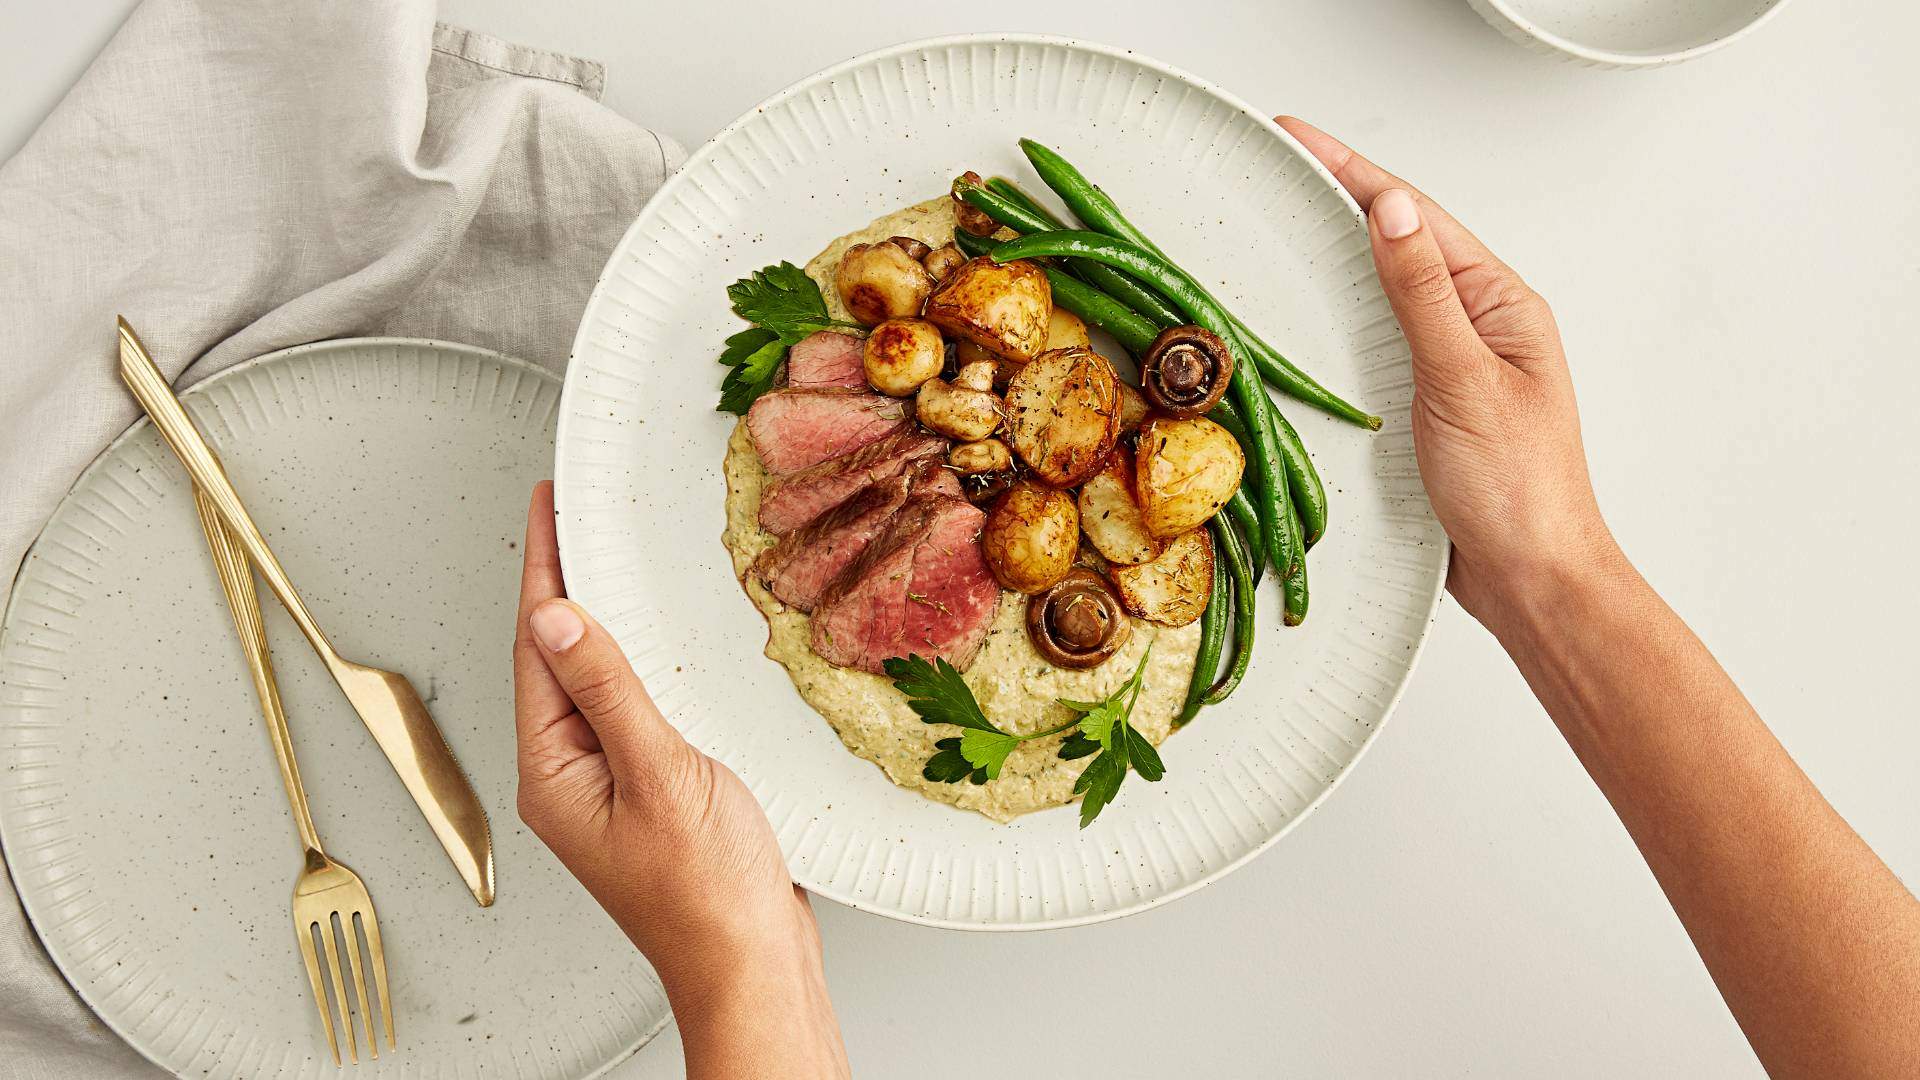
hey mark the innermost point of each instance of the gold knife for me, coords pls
(385, 700)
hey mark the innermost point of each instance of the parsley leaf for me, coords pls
(936, 692)
(1103, 728)
(784, 306)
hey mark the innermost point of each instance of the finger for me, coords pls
(1365, 181)
(596, 677)
(1413, 271)
(550, 733)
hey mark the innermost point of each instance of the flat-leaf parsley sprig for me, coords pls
(784, 305)
(936, 692)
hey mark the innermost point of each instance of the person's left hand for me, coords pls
(667, 839)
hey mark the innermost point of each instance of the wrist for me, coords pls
(1539, 596)
(763, 1010)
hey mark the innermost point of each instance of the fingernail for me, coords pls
(1394, 212)
(557, 625)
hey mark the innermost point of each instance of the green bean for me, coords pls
(1240, 508)
(1227, 544)
(1133, 333)
(1178, 286)
(1014, 193)
(1027, 220)
(1095, 207)
(1294, 591)
(1303, 482)
(1213, 635)
(1292, 539)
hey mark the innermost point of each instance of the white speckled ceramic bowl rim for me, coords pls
(1428, 602)
(1524, 30)
(30, 900)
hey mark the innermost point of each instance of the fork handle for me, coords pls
(150, 388)
(236, 580)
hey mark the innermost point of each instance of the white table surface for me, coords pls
(1732, 247)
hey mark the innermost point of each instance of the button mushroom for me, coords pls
(1186, 371)
(942, 261)
(1078, 623)
(964, 409)
(985, 456)
(902, 354)
(881, 281)
(915, 250)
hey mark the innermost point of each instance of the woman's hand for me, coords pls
(667, 839)
(1494, 422)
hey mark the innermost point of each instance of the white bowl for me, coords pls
(1627, 33)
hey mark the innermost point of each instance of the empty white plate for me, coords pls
(142, 815)
(1627, 33)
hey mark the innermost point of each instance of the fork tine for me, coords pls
(378, 956)
(319, 988)
(339, 988)
(351, 939)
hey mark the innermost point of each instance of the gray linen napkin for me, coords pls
(243, 176)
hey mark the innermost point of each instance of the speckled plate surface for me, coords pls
(641, 491)
(142, 816)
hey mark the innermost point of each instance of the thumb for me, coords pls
(595, 675)
(1413, 271)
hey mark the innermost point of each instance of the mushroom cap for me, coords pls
(1078, 622)
(1186, 371)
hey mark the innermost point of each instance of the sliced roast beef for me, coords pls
(932, 477)
(789, 502)
(922, 586)
(806, 561)
(827, 359)
(794, 429)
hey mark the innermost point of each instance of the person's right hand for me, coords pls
(1494, 422)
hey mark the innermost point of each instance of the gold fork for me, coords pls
(326, 890)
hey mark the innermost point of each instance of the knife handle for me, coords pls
(150, 388)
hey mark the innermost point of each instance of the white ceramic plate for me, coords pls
(142, 815)
(641, 491)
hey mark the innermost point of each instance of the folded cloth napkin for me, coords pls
(237, 177)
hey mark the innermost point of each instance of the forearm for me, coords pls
(1812, 940)
(762, 1014)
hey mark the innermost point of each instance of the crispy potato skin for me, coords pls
(1002, 307)
(1063, 415)
(880, 281)
(1173, 589)
(1184, 472)
(901, 354)
(1031, 536)
(1110, 517)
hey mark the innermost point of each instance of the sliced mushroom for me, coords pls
(1078, 623)
(901, 354)
(942, 261)
(1186, 371)
(915, 250)
(965, 409)
(878, 282)
(969, 217)
(1133, 409)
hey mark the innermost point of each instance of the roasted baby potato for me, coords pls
(1002, 307)
(1110, 517)
(1066, 331)
(1063, 415)
(1173, 589)
(1030, 537)
(1184, 472)
(901, 354)
(881, 281)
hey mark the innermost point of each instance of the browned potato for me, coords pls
(1110, 517)
(1066, 331)
(1184, 472)
(881, 281)
(1133, 408)
(1173, 589)
(1030, 537)
(1002, 307)
(1063, 415)
(901, 354)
